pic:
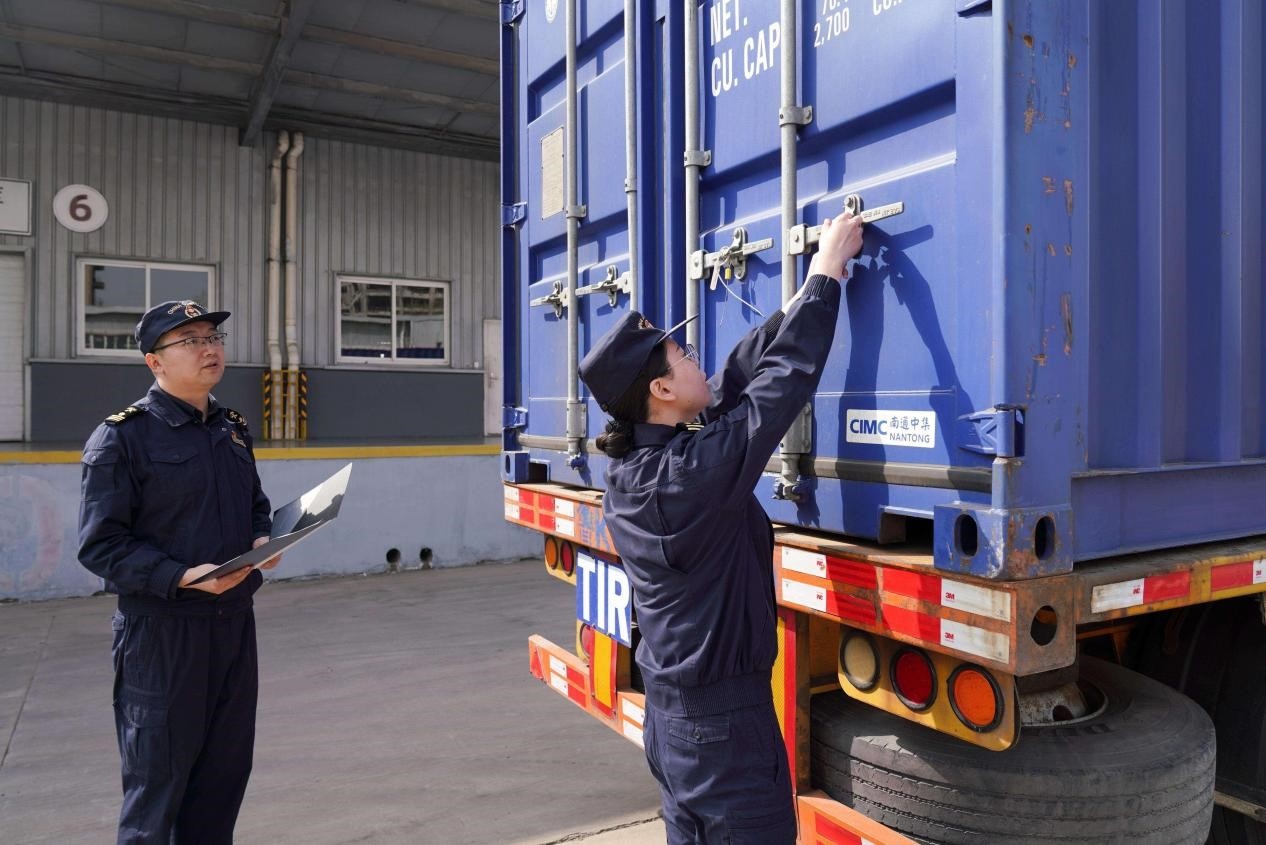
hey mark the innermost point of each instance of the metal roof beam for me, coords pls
(203, 12)
(386, 46)
(105, 46)
(481, 9)
(386, 92)
(96, 93)
(266, 87)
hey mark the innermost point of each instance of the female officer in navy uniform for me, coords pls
(698, 547)
(170, 491)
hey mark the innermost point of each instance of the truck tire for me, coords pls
(1140, 770)
(1214, 654)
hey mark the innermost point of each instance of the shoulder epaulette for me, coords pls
(691, 427)
(126, 414)
(234, 417)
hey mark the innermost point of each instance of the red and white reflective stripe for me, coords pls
(839, 570)
(512, 504)
(1230, 576)
(1139, 591)
(966, 639)
(632, 720)
(828, 831)
(959, 595)
(568, 681)
(825, 600)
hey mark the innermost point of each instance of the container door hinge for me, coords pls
(513, 417)
(514, 214)
(732, 258)
(613, 285)
(560, 298)
(511, 11)
(999, 432)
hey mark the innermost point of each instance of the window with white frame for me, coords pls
(114, 294)
(388, 321)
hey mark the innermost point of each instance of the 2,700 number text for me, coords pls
(835, 22)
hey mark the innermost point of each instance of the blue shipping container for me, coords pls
(1053, 354)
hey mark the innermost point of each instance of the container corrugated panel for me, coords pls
(1054, 353)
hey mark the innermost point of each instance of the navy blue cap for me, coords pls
(617, 359)
(166, 316)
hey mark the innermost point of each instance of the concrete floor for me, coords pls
(393, 709)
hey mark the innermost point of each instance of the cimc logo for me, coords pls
(857, 425)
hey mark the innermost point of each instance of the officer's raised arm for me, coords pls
(788, 369)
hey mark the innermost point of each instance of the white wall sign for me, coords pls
(80, 208)
(15, 207)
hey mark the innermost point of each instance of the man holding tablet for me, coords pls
(169, 492)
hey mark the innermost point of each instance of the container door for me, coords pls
(911, 349)
(602, 257)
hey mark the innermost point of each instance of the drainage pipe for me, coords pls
(292, 307)
(273, 326)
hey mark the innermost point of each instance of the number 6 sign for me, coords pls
(80, 208)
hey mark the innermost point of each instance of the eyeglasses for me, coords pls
(216, 339)
(689, 353)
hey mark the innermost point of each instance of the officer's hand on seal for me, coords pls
(215, 586)
(841, 239)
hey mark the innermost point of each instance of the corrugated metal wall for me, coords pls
(397, 214)
(178, 191)
(185, 191)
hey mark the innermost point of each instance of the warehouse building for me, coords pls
(325, 170)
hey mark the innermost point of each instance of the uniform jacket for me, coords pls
(680, 508)
(164, 490)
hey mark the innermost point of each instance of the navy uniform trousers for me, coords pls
(185, 686)
(723, 777)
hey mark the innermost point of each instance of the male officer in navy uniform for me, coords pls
(698, 547)
(170, 491)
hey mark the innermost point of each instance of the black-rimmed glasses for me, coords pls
(216, 339)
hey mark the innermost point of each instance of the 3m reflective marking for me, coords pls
(559, 683)
(1139, 591)
(512, 511)
(977, 641)
(959, 595)
(1107, 597)
(804, 595)
(565, 507)
(566, 527)
(544, 503)
(632, 712)
(557, 666)
(512, 494)
(1231, 576)
(633, 732)
(981, 600)
(808, 563)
